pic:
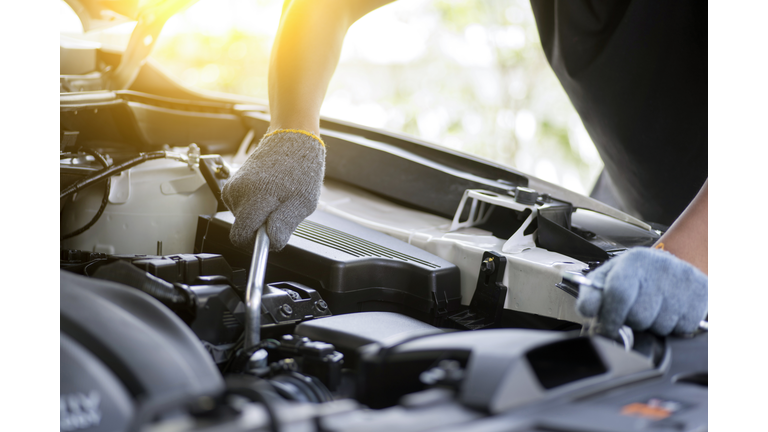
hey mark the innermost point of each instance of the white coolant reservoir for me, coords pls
(157, 201)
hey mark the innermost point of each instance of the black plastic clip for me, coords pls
(487, 303)
(216, 173)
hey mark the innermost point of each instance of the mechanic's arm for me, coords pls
(687, 238)
(663, 291)
(305, 55)
(279, 184)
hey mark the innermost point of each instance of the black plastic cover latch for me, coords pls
(290, 303)
(487, 303)
(216, 172)
(68, 139)
(526, 196)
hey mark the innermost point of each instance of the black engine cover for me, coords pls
(120, 345)
(354, 268)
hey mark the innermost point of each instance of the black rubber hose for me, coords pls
(256, 390)
(114, 169)
(180, 300)
(257, 395)
(301, 388)
(104, 198)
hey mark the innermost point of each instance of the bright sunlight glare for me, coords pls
(466, 74)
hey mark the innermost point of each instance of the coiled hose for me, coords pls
(104, 198)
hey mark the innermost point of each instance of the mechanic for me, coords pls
(636, 72)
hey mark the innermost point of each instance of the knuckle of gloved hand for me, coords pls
(239, 238)
(616, 289)
(685, 329)
(588, 302)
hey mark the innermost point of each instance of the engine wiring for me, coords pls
(106, 173)
(116, 169)
(104, 199)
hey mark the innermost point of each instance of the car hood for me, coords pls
(99, 14)
(150, 16)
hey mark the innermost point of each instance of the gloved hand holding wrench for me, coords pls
(645, 289)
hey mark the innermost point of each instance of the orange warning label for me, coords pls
(654, 408)
(645, 410)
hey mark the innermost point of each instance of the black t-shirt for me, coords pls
(636, 72)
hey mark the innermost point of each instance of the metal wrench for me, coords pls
(254, 289)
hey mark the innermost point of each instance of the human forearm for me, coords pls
(305, 55)
(687, 238)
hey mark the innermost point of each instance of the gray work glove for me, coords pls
(646, 289)
(278, 185)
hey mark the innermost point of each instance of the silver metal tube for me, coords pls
(255, 288)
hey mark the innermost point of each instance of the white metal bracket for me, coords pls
(482, 203)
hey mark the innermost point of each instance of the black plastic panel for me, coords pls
(145, 122)
(107, 123)
(351, 331)
(198, 269)
(556, 238)
(354, 268)
(565, 362)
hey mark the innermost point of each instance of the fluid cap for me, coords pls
(525, 196)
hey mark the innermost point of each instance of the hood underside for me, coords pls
(100, 14)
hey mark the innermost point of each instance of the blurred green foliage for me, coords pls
(233, 62)
(466, 74)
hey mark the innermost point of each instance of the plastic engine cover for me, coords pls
(354, 268)
(120, 345)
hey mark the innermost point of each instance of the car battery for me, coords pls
(354, 268)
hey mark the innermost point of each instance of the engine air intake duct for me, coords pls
(354, 268)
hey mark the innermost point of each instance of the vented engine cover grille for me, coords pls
(354, 268)
(352, 245)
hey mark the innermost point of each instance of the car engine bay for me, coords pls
(429, 291)
(420, 295)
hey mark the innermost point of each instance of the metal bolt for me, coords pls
(286, 310)
(321, 305)
(487, 266)
(258, 359)
(221, 170)
(292, 294)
